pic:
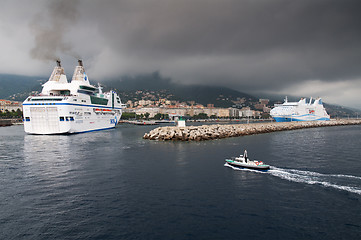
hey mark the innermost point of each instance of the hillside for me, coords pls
(17, 88)
(19, 85)
(219, 96)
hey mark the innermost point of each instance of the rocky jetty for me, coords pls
(209, 132)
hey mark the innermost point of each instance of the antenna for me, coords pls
(100, 88)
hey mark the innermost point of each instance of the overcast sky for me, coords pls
(291, 47)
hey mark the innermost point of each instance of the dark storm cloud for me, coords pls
(49, 28)
(254, 45)
(238, 43)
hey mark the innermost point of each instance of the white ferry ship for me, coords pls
(71, 107)
(300, 111)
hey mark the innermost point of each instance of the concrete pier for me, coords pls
(209, 132)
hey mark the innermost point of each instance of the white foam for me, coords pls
(321, 174)
(345, 176)
(312, 178)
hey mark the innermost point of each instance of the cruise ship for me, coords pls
(71, 107)
(300, 111)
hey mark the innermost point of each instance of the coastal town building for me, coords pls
(234, 112)
(174, 112)
(175, 109)
(264, 101)
(152, 111)
(266, 109)
(6, 105)
(246, 112)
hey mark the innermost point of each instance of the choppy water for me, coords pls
(115, 185)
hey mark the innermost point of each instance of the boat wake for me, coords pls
(343, 182)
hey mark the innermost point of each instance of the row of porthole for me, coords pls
(43, 104)
(62, 119)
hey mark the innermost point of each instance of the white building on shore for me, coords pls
(189, 111)
(9, 105)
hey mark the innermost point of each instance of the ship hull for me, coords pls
(300, 111)
(249, 166)
(295, 118)
(68, 118)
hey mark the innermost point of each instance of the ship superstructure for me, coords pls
(71, 107)
(300, 111)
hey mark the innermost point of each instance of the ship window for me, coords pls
(46, 99)
(64, 92)
(88, 92)
(67, 118)
(89, 88)
(61, 119)
(71, 118)
(27, 119)
(98, 100)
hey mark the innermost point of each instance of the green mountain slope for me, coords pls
(17, 84)
(219, 96)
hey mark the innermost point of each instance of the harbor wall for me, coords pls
(216, 131)
(5, 122)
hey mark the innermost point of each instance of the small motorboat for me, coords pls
(244, 162)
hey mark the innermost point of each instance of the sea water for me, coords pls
(114, 185)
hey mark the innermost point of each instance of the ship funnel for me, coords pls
(58, 74)
(79, 73)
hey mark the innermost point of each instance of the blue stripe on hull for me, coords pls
(281, 119)
(69, 133)
(296, 119)
(72, 104)
(93, 130)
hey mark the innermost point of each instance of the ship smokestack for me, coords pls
(79, 72)
(58, 74)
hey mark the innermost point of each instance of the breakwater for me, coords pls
(216, 131)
